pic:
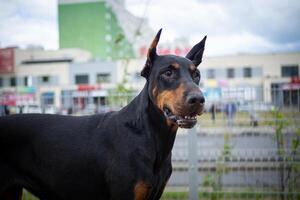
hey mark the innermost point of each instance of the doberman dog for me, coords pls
(116, 155)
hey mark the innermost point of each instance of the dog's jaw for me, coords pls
(188, 121)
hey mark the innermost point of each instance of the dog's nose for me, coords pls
(195, 99)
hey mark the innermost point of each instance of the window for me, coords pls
(28, 81)
(230, 73)
(45, 79)
(290, 71)
(47, 98)
(1, 82)
(211, 73)
(247, 72)
(81, 79)
(12, 81)
(103, 78)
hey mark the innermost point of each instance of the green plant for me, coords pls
(215, 180)
(289, 168)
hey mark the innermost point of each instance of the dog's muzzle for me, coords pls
(188, 119)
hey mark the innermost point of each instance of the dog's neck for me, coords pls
(149, 119)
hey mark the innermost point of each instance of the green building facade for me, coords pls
(92, 26)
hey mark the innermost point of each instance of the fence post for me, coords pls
(193, 164)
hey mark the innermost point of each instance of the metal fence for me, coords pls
(255, 156)
(235, 163)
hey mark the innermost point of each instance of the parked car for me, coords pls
(257, 106)
(49, 109)
(32, 108)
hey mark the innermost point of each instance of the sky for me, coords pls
(236, 26)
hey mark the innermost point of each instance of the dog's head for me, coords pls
(173, 84)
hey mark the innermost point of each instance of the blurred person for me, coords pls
(213, 113)
(1, 110)
(21, 109)
(70, 111)
(230, 110)
(253, 118)
(6, 110)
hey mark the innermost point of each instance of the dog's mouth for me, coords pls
(185, 121)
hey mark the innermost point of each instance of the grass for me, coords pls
(176, 195)
(28, 196)
(230, 195)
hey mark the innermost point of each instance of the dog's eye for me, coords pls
(168, 73)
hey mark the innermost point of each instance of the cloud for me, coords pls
(232, 26)
(29, 32)
(274, 20)
(30, 22)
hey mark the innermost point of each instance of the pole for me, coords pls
(193, 164)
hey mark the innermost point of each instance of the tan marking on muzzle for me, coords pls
(170, 98)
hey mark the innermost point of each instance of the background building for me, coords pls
(103, 47)
(36, 76)
(252, 77)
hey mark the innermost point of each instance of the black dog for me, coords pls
(117, 155)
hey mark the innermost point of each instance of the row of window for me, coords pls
(27, 81)
(248, 72)
(290, 71)
(24, 81)
(230, 73)
(100, 78)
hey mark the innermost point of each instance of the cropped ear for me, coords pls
(196, 53)
(151, 55)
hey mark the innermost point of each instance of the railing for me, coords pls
(236, 163)
(241, 160)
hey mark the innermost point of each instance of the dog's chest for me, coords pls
(160, 179)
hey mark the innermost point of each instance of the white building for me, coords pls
(248, 77)
(243, 77)
(47, 77)
(54, 78)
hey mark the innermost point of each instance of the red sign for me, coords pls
(291, 86)
(83, 87)
(164, 51)
(8, 99)
(12, 99)
(7, 64)
(295, 79)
